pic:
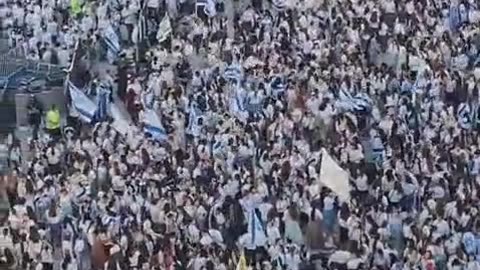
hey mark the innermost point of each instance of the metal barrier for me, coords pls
(20, 75)
(15, 69)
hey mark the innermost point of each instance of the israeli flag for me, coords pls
(82, 104)
(258, 237)
(112, 41)
(344, 94)
(233, 72)
(363, 103)
(360, 103)
(140, 31)
(278, 85)
(464, 116)
(238, 106)
(103, 95)
(194, 127)
(153, 125)
(279, 5)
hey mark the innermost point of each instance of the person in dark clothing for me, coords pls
(122, 79)
(35, 111)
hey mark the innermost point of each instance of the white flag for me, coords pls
(164, 29)
(334, 177)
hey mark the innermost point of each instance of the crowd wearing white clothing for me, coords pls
(232, 178)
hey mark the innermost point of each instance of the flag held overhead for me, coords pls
(164, 29)
(334, 177)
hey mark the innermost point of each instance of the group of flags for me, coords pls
(99, 109)
(112, 43)
(88, 110)
(361, 102)
(239, 103)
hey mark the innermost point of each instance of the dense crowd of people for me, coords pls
(231, 179)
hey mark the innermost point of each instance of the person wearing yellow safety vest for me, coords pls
(53, 121)
(75, 8)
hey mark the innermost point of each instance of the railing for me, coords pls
(15, 70)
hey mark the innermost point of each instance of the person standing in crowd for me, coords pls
(35, 112)
(52, 122)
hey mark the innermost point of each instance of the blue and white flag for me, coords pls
(140, 31)
(153, 125)
(278, 85)
(360, 103)
(233, 72)
(112, 41)
(464, 116)
(363, 102)
(258, 237)
(103, 96)
(194, 127)
(82, 104)
(238, 106)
